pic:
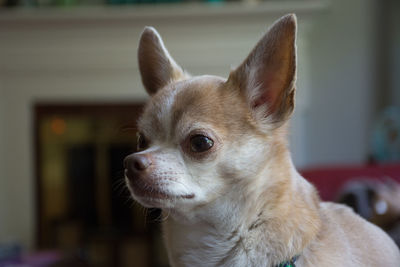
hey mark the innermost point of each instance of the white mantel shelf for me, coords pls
(162, 11)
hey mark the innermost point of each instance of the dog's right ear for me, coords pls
(156, 66)
(267, 76)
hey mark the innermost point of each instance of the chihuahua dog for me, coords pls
(213, 155)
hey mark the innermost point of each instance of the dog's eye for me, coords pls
(141, 142)
(200, 143)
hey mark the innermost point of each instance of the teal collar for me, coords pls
(289, 263)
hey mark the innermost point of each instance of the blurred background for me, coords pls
(70, 94)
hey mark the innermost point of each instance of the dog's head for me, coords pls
(200, 136)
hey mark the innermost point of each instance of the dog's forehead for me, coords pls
(197, 98)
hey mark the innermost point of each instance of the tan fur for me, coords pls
(241, 202)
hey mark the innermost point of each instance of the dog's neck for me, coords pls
(271, 221)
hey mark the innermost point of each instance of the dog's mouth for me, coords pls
(149, 190)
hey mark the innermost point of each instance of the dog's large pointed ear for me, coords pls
(156, 66)
(267, 76)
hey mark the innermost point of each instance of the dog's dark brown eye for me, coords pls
(141, 142)
(200, 143)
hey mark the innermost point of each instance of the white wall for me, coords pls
(394, 46)
(342, 83)
(3, 180)
(17, 171)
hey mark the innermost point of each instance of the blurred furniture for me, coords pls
(329, 180)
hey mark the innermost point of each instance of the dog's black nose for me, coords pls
(137, 162)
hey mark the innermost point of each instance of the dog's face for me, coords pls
(200, 136)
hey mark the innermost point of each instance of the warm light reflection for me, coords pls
(58, 126)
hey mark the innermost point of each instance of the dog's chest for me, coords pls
(204, 246)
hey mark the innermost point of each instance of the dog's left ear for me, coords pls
(267, 76)
(156, 66)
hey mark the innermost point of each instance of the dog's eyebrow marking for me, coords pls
(194, 99)
(158, 113)
(166, 116)
(178, 110)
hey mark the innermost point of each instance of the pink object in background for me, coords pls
(329, 180)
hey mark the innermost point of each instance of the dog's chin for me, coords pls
(152, 196)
